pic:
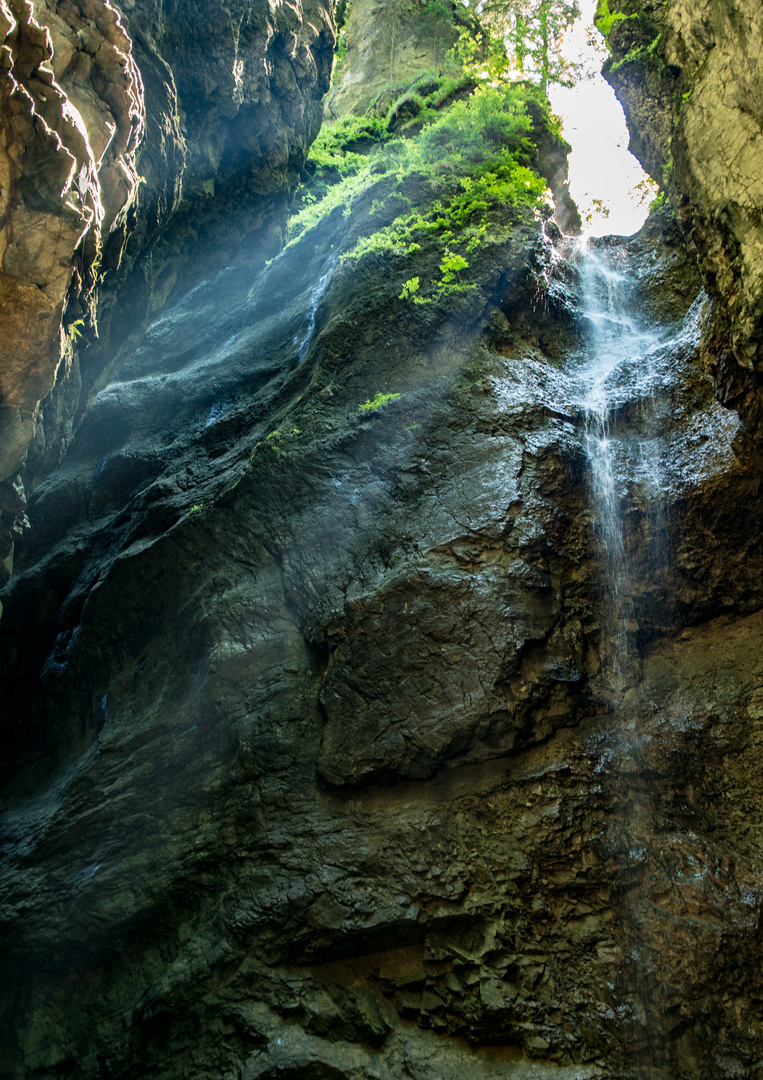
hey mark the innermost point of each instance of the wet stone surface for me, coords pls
(313, 764)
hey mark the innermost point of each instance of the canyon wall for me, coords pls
(688, 74)
(129, 134)
(316, 763)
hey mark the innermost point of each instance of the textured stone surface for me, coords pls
(313, 762)
(387, 45)
(689, 75)
(320, 776)
(94, 98)
(71, 116)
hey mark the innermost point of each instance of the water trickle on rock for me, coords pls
(616, 374)
(317, 294)
(624, 395)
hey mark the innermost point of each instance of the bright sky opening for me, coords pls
(604, 175)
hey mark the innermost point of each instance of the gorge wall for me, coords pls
(688, 75)
(207, 109)
(314, 764)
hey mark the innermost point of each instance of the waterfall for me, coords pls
(623, 401)
(617, 374)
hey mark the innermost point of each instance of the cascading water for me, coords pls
(316, 296)
(623, 403)
(617, 371)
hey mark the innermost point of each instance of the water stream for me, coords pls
(316, 295)
(616, 384)
(621, 388)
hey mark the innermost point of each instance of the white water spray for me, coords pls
(618, 367)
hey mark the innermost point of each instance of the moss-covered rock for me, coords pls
(689, 77)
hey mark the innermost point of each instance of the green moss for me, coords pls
(458, 173)
(642, 54)
(606, 19)
(75, 329)
(377, 402)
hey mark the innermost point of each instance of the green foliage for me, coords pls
(278, 434)
(275, 440)
(646, 53)
(450, 168)
(451, 266)
(471, 158)
(340, 49)
(467, 212)
(75, 330)
(377, 402)
(645, 191)
(410, 288)
(437, 23)
(341, 13)
(340, 151)
(532, 31)
(606, 19)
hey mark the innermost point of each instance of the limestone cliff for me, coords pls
(689, 75)
(71, 113)
(117, 125)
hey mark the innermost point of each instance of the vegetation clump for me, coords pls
(376, 403)
(606, 19)
(454, 165)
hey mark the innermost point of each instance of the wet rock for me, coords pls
(314, 764)
(72, 112)
(308, 741)
(119, 127)
(689, 77)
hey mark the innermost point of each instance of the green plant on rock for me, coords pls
(376, 403)
(437, 20)
(410, 288)
(606, 19)
(75, 330)
(644, 54)
(471, 161)
(339, 153)
(457, 176)
(451, 266)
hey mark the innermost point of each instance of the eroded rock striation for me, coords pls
(72, 117)
(118, 124)
(319, 776)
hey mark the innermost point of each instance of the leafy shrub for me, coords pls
(458, 176)
(410, 288)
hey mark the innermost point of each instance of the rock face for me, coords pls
(94, 101)
(385, 46)
(71, 112)
(321, 774)
(316, 761)
(689, 76)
